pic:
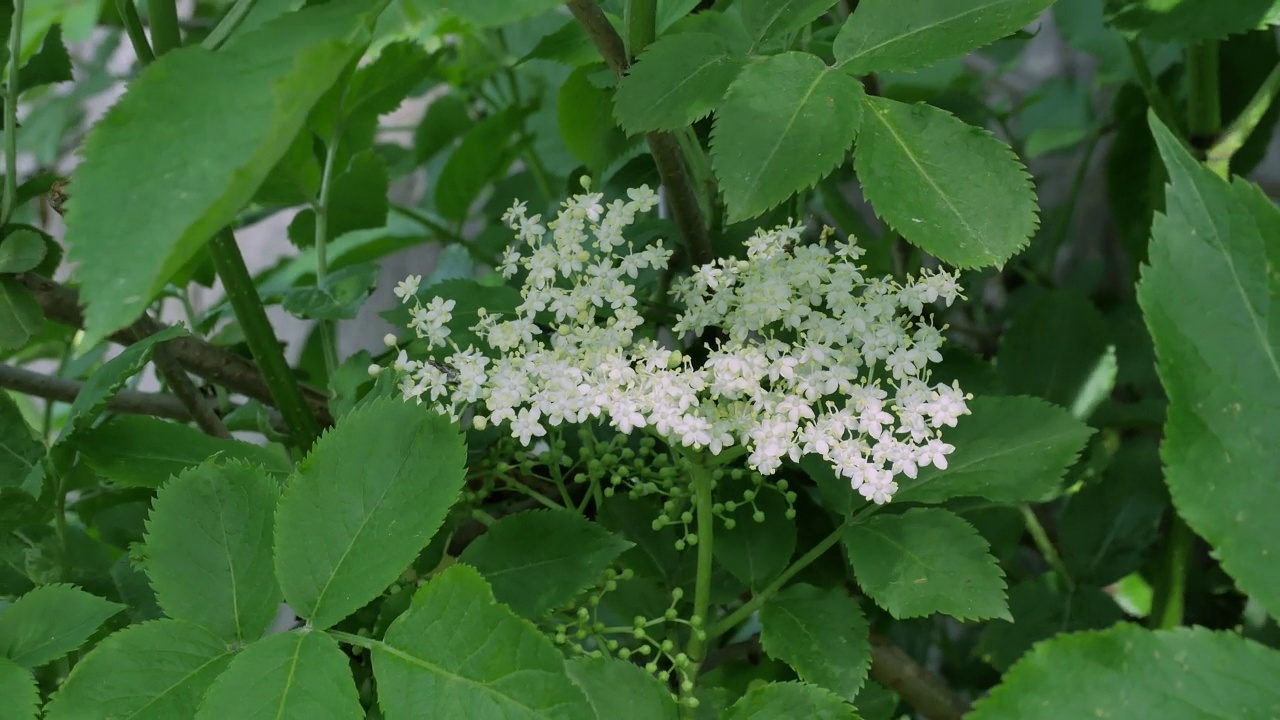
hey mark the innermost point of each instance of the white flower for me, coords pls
(407, 288)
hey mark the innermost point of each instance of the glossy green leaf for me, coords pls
(154, 671)
(126, 226)
(538, 561)
(20, 316)
(1182, 674)
(21, 251)
(482, 156)
(948, 187)
(790, 700)
(786, 122)
(107, 380)
(208, 549)
(675, 81)
(1011, 449)
(821, 633)
(20, 447)
(1041, 611)
(1053, 349)
(51, 64)
(621, 690)
(925, 561)
(1218, 362)
(458, 653)
(49, 622)
(497, 13)
(18, 688)
(884, 35)
(368, 498)
(769, 20)
(583, 113)
(299, 674)
(1190, 21)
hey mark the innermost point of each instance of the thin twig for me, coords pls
(180, 383)
(924, 691)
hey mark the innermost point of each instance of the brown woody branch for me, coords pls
(924, 691)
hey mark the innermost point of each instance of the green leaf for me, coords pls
(144, 452)
(446, 119)
(1011, 449)
(1041, 611)
(755, 552)
(126, 226)
(338, 297)
(456, 652)
(884, 35)
(538, 561)
(469, 297)
(786, 122)
(790, 700)
(1129, 672)
(299, 674)
(364, 503)
(50, 622)
(358, 200)
(496, 13)
(21, 251)
(381, 86)
(483, 154)
(20, 316)
(769, 20)
(677, 80)
(208, 549)
(103, 384)
(18, 688)
(925, 561)
(20, 447)
(1053, 350)
(1217, 359)
(585, 122)
(154, 671)
(50, 65)
(295, 179)
(1190, 21)
(621, 690)
(948, 187)
(821, 633)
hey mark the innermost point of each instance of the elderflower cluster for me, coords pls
(812, 356)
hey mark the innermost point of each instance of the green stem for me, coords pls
(1204, 111)
(327, 343)
(137, 34)
(357, 640)
(261, 338)
(697, 648)
(640, 22)
(1168, 601)
(59, 512)
(1156, 99)
(11, 116)
(737, 617)
(228, 24)
(1220, 154)
(1041, 539)
(166, 34)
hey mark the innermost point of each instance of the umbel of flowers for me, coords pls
(812, 356)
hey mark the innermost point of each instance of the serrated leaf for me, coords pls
(1217, 359)
(20, 447)
(675, 81)
(496, 13)
(821, 633)
(381, 86)
(786, 122)
(358, 200)
(368, 498)
(144, 452)
(1190, 21)
(946, 186)
(1182, 674)
(884, 35)
(1011, 449)
(338, 297)
(295, 179)
(755, 552)
(20, 316)
(769, 20)
(103, 384)
(154, 671)
(1054, 348)
(925, 561)
(570, 45)
(446, 118)
(18, 688)
(21, 251)
(483, 154)
(776, 701)
(1041, 611)
(208, 549)
(457, 653)
(537, 561)
(299, 674)
(255, 94)
(586, 123)
(621, 690)
(51, 64)
(49, 622)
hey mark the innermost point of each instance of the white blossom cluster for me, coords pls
(815, 358)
